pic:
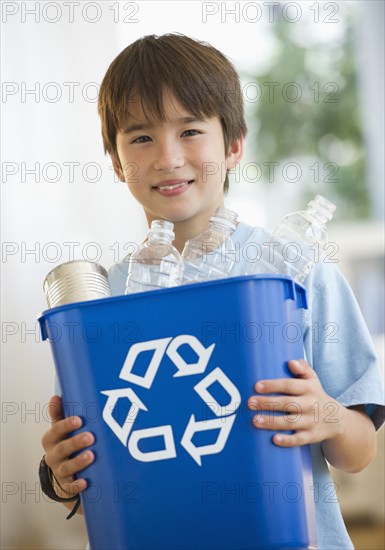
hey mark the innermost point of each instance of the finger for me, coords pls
(73, 487)
(60, 430)
(296, 439)
(286, 386)
(68, 447)
(65, 468)
(55, 409)
(64, 427)
(61, 451)
(302, 369)
(69, 468)
(279, 422)
(280, 403)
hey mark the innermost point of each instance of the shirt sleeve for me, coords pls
(56, 386)
(338, 344)
(117, 276)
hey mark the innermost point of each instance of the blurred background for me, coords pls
(313, 85)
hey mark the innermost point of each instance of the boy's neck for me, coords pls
(188, 229)
(185, 232)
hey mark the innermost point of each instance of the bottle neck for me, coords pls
(160, 238)
(320, 209)
(223, 227)
(321, 216)
(161, 231)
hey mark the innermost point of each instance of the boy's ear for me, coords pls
(234, 153)
(117, 167)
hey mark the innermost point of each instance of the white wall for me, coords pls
(41, 214)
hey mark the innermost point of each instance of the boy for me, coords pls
(172, 121)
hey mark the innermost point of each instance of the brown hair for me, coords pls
(202, 79)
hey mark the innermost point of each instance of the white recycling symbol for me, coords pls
(170, 346)
(146, 381)
(122, 432)
(184, 369)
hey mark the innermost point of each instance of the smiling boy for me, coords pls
(167, 165)
(172, 120)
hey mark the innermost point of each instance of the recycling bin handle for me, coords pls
(43, 328)
(300, 296)
(296, 292)
(289, 289)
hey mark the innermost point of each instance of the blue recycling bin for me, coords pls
(162, 380)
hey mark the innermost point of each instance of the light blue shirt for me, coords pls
(339, 348)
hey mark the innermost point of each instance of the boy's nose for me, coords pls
(168, 157)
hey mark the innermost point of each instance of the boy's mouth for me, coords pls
(171, 187)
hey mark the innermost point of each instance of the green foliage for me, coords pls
(308, 109)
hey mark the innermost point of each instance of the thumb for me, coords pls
(301, 368)
(55, 409)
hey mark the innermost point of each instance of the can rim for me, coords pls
(82, 266)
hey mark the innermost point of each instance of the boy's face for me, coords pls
(175, 169)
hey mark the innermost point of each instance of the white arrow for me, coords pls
(217, 375)
(146, 381)
(185, 369)
(122, 432)
(224, 424)
(169, 446)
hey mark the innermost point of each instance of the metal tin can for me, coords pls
(76, 281)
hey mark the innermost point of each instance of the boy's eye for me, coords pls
(140, 139)
(190, 133)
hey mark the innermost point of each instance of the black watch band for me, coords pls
(45, 476)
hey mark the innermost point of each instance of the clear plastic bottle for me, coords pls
(157, 263)
(211, 254)
(297, 242)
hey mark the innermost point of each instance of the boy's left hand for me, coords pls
(314, 415)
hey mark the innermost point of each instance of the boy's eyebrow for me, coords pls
(147, 126)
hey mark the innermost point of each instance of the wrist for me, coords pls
(58, 488)
(337, 422)
(46, 482)
(353, 445)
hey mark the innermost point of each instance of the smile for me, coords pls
(173, 187)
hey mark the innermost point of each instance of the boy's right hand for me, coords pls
(59, 447)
